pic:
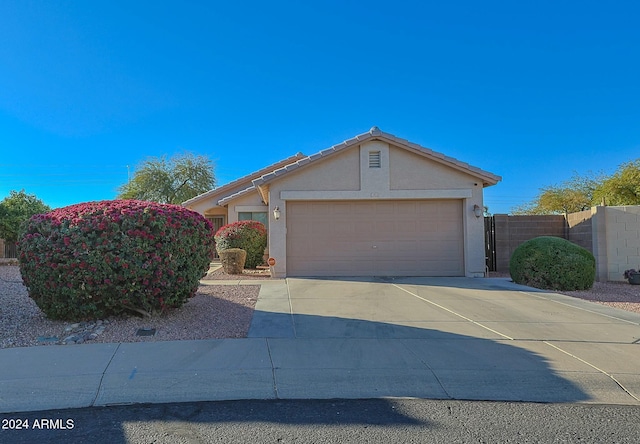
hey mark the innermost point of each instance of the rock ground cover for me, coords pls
(215, 312)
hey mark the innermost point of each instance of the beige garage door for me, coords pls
(381, 238)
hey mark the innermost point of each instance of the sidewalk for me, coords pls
(275, 363)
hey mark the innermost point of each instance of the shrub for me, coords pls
(98, 259)
(553, 263)
(233, 260)
(249, 235)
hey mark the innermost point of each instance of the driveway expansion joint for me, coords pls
(426, 364)
(596, 368)
(454, 313)
(293, 323)
(273, 370)
(95, 398)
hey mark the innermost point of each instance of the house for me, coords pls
(373, 205)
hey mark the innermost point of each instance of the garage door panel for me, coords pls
(442, 248)
(402, 268)
(336, 268)
(337, 250)
(362, 210)
(364, 238)
(406, 247)
(409, 227)
(412, 268)
(442, 268)
(318, 209)
(428, 226)
(383, 225)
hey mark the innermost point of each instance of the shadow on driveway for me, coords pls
(353, 358)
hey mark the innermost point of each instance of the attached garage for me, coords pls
(373, 205)
(375, 238)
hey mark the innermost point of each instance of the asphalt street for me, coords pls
(329, 421)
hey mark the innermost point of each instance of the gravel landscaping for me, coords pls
(217, 311)
(220, 275)
(614, 294)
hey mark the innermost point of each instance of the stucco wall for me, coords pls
(347, 176)
(341, 172)
(410, 171)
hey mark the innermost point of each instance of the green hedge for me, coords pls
(553, 263)
(97, 259)
(248, 235)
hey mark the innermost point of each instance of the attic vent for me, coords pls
(374, 159)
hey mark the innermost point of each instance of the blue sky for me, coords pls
(530, 91)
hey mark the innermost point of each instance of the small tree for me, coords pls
(623, 188)
(170, 181)
(574, 195)
(15, 210)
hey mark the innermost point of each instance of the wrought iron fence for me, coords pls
(10, 250)
(490, 242)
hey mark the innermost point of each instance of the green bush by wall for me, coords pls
(553, 263)
(97, 259)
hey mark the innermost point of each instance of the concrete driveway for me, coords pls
(446, 338)
(466, 339)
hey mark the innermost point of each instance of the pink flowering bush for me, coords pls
(97, 259)
(248, 235)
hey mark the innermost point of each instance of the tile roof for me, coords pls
(248, 178)
(230, 197)
(376, 134)
(265, 175)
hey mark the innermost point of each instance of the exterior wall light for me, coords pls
(276, 213)
(477, 210)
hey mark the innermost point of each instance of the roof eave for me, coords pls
(248, 179)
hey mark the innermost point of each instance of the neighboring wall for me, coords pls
(612, 234)
(617, 241)
(581, 228)
(511, 231)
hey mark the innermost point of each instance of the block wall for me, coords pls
(581, 228)
(511, 231)
(622, 240)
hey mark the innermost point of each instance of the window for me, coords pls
(374, 159)
(259, 216)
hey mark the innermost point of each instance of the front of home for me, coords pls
(374, 205)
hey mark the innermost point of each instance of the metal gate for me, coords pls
(217, 222)
(10, 250)
(490, 242)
